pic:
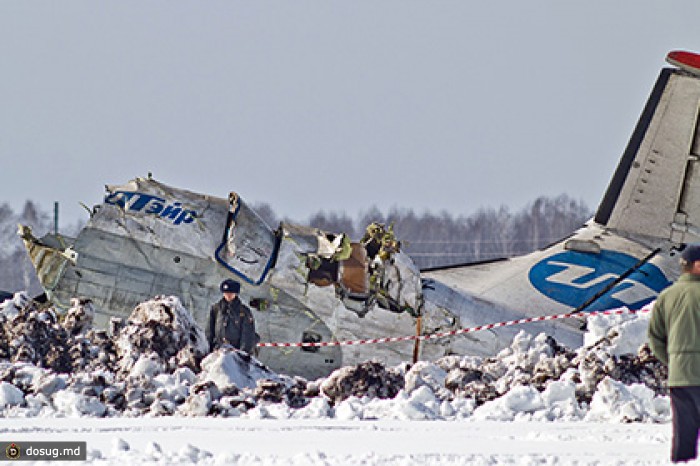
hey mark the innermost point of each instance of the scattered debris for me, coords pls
(165, 327)
(79, 317)
(156, 363)
(370, 379)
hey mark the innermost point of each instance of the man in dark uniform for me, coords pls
(674, 338)
(231, 322)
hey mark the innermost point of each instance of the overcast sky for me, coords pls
(334, 105)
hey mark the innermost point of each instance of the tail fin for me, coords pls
(655, 191)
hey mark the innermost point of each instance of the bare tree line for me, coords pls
(431, 239)
(434, 240)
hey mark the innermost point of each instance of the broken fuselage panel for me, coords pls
(148, 239)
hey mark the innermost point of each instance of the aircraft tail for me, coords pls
(655, 191)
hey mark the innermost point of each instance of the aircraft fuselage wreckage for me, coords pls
(307, 285)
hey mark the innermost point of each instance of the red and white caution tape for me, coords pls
(461, 331)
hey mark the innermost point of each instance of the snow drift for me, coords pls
(156, 364)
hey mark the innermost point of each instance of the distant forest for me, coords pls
(431, 239)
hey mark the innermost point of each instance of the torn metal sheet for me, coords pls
(148, 239)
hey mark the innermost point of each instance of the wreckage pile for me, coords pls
(156, 363)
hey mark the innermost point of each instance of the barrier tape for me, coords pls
(433, 336)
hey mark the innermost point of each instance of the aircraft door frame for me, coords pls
(248, 247)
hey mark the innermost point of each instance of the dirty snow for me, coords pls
(149, 393)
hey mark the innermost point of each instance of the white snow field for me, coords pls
(171, 440)
(136, 398)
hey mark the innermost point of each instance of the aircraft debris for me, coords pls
(369, 378)
(79, 317)
(104, 379)
(148, 239)
(161, 326)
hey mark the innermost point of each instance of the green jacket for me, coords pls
(674, 331)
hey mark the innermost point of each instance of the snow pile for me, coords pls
(524, 402)
(366, 379)
(156, 364)
(615, 401)
(164, 327)
(79, 317)
(227, 367)
(534, 379)
(151, 365)
(10, 395)
(11, 307)
(34, 335)
(623, 333)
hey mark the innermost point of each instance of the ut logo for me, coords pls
(572, 278)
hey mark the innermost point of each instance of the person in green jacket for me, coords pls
(674, 338)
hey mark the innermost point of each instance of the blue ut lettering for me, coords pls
(152, 205)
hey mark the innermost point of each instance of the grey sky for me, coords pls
(335, 105)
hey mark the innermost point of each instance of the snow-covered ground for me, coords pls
(169, 440)
(145, 395)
